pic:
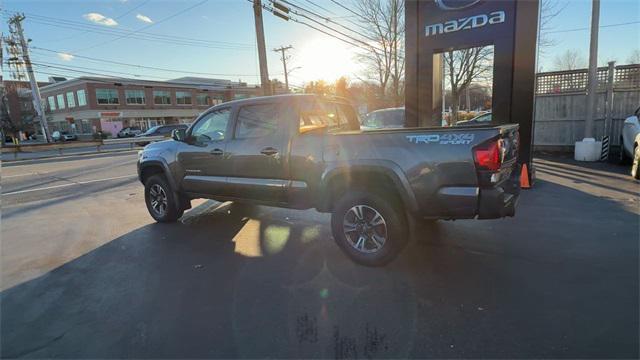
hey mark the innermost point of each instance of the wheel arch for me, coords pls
(335, 180)
(154, 167)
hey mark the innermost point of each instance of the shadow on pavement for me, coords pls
(234, 281)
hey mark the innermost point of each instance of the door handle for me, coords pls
(216, 152)
(269, 151)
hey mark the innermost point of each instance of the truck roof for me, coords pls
(284, 97)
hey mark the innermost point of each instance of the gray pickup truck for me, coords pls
(307, 151)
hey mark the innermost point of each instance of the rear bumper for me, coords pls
(500, 201)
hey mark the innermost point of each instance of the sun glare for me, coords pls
(325, 59)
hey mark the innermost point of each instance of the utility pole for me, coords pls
(593, 69)
(262, 51)
(16, 21)
(2, 103)
(284, 63)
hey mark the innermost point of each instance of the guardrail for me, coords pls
(61, 146)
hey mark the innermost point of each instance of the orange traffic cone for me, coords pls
(524, 178)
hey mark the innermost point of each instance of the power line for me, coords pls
(320, 7)
(367, 47)
(132, 9)
(328, 20)
(56, 66)
(141, 66)
(315, 28)
(349, 10)
(145, 27)
(601, 26)
(149, 39)
(113, 31)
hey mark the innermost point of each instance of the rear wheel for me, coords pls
(370, 229)
(635, 168)
(160, 200)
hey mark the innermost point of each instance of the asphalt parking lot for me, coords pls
(87, 274)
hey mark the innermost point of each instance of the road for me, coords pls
(87, 274)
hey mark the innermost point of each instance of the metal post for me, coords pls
(262, 52)
(35, 91)
(608, 117)
(284, 63)
(608, 123)
(593, 70)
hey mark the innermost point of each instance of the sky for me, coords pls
(217, 37)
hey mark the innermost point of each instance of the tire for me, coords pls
(156, 191)
(635, 168)
(623, 159)
(365, 239)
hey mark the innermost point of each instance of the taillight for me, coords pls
(487, 156)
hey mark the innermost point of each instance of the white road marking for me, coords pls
(17, 175)
(72, 184)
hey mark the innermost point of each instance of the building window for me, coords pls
(161, 97)
(134, 97)
(71, 101)
(107, 96)
(82, 97)
(202, 99)
(52, 103)
(60, 101)
(183, 97)
(85, 126)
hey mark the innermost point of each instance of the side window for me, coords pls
(485, 118)
(212, 127)
(257, 121)
(332, 116)
(165, 130)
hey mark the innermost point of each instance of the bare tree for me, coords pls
(549, 10)
(382, 22)
(634, 57)
(462, 67)
(570, 60)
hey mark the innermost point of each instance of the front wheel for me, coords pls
(370, 229)
(160, 200)
(635, 168)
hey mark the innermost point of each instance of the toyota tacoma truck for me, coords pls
(307, 151)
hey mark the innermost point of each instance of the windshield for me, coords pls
(152, 130)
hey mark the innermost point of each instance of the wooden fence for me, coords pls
(560, 108)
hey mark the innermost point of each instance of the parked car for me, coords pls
(307, 151)
(63, 136)
(629, 141)
(129, 132)
(481, 119)
(159, 130)
(384, 119)
(635, 166)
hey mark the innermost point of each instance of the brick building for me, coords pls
(86, 105)
(20, 105)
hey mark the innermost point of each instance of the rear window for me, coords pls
(333, 116)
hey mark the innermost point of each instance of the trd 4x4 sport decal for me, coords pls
(444, 139)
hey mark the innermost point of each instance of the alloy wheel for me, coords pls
(158, 199)
(365, 229)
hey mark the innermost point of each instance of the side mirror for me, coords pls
(179, 134)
